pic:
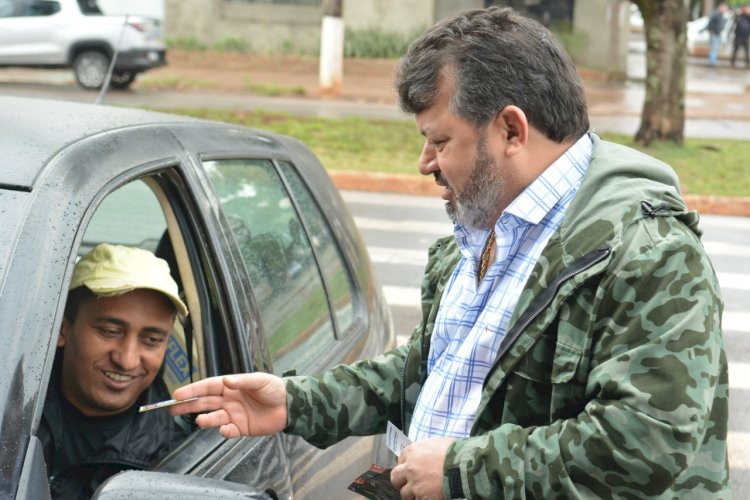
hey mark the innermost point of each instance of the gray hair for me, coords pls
(495, 58)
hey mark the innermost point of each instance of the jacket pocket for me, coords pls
(547, 379)
(565, 363)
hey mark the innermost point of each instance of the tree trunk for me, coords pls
(665, 29)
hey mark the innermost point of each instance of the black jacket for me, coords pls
(139, 439)
(716, 23)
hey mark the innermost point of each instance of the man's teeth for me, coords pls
(117, 377)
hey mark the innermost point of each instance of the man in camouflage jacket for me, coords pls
(612, 381)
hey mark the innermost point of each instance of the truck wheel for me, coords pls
(122, 79)
(90, 68)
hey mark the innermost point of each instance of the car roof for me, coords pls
(37, 129)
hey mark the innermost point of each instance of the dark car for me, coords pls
(263, 248)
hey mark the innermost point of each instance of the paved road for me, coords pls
(612, 108)
(398, 229)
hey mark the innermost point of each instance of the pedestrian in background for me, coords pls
(742, 34)
(570, 343)
(715, 27)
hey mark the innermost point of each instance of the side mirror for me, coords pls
(166, 486)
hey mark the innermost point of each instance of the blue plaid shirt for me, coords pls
(473, 320)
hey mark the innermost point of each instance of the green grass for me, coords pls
(708, 167)
(272, 89)
(705, 166)
(177, 83)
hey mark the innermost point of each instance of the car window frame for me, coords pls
(359, 305)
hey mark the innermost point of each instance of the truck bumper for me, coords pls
(141, 60)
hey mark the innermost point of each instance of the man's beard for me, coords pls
(477, 205)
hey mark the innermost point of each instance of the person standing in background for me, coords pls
(715, 26)
(742, 34)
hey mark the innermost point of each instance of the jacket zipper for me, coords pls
(545, 299)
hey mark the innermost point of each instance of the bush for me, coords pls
(377, 43)
(238, 45)
(187, 44)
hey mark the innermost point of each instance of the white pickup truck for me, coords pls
(76, 34)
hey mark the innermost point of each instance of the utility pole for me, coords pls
(331, 48)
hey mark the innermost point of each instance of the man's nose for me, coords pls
(127, 354)
(428, 160)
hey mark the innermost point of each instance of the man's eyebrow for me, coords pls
(124, 324)
(155, 329)
(112, 319)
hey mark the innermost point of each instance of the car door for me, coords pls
(157, 187)
(137, 186)
(309, 272)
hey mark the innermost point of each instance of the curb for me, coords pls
(425, 186)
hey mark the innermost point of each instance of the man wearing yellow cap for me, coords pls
(120, 311)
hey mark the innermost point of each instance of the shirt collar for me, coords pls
(538, 199)
(541, 196)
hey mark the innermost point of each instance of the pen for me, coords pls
(164, 404)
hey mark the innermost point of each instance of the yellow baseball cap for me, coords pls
(110, 270)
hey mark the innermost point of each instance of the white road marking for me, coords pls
(736, 321)
(402, 296)
(737, 445)
(404, 226)
(383, 255)
(722, 249)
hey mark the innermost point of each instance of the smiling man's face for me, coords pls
(113, 350)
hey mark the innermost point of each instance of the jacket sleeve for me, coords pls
(654, 413)
(348, 400)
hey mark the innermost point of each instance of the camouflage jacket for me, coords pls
(611, 381)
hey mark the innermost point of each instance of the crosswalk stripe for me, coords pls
(402, 296)
(376, 198)
(383, 255)
(739, 375)
(737, 445)
(736, 281)
(736, 322)
(404, 226)
(719, 248)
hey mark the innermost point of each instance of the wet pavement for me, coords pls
(717, 103)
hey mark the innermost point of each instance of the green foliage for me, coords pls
(187, 44)
(717, 167)
(575, 43)
(377, 43)
(239, 45)
(287, 47)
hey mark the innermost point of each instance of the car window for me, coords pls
(133, 216)
(30, 8)
(280, 259)
(89, 7)
(337, 277)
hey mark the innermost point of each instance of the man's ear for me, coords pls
(512, 122)
(64, 330)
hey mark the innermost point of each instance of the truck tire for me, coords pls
(90, 67)
(122, 79)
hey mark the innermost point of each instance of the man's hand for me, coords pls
(419, 473)
(249, 404)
